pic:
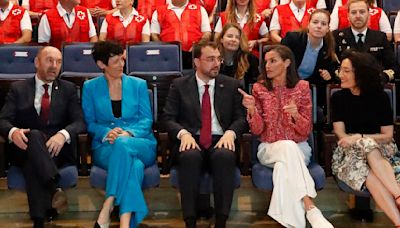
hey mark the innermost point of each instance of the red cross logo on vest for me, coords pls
(80, 15)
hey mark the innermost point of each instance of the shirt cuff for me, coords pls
(11, 132)
(66, 135)
(182, 132)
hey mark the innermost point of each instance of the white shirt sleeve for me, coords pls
(25, 4)
(155, 26)
(218, 26)
(272, 4)
(92, 29)
(263, 29)
(384, 23)
(66, 135)
(321, 4)
(274, 25)
(146, 28)
(25, 23)
(104, 26)
(44, 31)
(283, 2)
(338, 3)
(334, 24)
(396, 28)
(205, 22)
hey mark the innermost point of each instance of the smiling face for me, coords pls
(347, 75)
(231, 39)
(48, 64)
(319, 25)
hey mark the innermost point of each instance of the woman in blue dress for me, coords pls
(119, 119)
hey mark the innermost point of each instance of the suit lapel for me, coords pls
(55, 96)
(218, 96)
(350, 37)
(31, 95)
(193, 93)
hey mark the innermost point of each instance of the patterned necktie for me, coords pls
(45, 104)
(205, 131)
(360, 43)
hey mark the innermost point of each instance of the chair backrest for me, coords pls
(17, 61)
(153, 58)
(391, 5)
(397, 51)
(390, 90)
(78, 61)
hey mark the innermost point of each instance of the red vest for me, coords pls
(375, 14)
(344, 2)
(187, 30)
(104, 4)
(10, 29)
(311, 3)
(207, 4)
(61, 33)
(288, 21)
(132, 33)
(261, 5)
(42, 5)
(147, 7)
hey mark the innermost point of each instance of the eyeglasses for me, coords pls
(212, 59)
(345, 70)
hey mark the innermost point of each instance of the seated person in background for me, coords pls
(243, 13)
(181, 21)
(42, 118)
(238, 62)
(318, 4)
(37, 7)
(265, 7)
(125, 25)
(68, 22)
(204, 136)
(119, 119)
(314, 52)
(147, 7)
(396, 28)
(289, 17)
(378, 19)
(339, 3)
(366, 156)
(280, 113)
(99, 8)
(15, 24)
(209, 5)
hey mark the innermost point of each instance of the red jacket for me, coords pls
(373, 23)
(187, 30)
(10, 29)
(132, 33)
(288, 21)
(60, 31)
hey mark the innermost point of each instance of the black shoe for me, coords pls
(38, 223)
(59, 201)
(51, 214)
(205, 213)
(220, 221)
(190, 222)
(365, 215)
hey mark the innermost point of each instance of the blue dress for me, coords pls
(127, 157)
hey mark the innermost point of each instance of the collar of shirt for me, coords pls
(7, 10)
(62, 12)
(242, 19)
(172, 6)
(355, 33)
(39, 85)
(295, 9)
(131, 14)
(317, 48)
(200, 83)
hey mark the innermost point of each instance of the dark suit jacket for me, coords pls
(183, 111)
(375, 44)
(65, 112)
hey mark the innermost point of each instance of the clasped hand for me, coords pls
(115, 133)
(348, 140)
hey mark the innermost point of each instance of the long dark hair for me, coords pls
(367, 71)
(292, 77)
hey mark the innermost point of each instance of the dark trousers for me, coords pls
(40, 172)
(221, 164)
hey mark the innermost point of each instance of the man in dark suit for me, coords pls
(42, 117)
(203, 114)
(359, 37)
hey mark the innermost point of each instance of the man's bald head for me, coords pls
(48, 63)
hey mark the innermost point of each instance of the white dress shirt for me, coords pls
(44, 30)
(355, 34)
(242, 22)
(126, 21)
(25, 23)
(205, 23)
(298, 13)
(39, 91)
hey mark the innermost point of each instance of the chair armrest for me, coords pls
(2, 157)
(83, 148)
(245, 144)
(329, 143)
(163, 142)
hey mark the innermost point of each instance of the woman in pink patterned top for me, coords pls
(280, 113)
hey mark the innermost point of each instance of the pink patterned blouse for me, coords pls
(270, 121)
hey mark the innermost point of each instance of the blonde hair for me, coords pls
(231, 12)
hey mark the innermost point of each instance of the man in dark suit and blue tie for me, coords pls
(41, 118)
(203, 115)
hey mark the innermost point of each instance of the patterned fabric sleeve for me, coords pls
(256, 121)
(302, 125)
